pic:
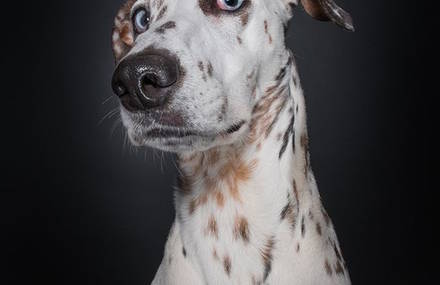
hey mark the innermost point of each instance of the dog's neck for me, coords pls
(243, 192)
(275, 147)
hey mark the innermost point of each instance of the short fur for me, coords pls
(248, 208)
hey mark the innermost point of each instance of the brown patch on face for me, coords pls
(244, 19)
(227, 265)
(167, 26)
(126, 34)
(123, 35)
(328, 268)
(241, 229)
(212, 228)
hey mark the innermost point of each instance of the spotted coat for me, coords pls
(248, 210)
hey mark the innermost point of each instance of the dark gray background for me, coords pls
(80, 208)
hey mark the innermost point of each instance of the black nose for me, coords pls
(144, 81)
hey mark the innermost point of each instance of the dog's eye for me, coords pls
(229, 5)
(141, 20)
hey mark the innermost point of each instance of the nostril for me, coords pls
(119, 89)
(150, 80)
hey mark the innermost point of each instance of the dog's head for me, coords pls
(187, 70)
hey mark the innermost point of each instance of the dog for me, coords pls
(213, 82)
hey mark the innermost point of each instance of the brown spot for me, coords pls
(295, 192)
(305, 147)
(123, 31)
(212, 227)
(241, 229)
(210, 69)
(167, 26)
(298, 247)
(201, 67)
(240, 41)
(220, 199)
(318, 228)
(337, 252)
(266, 253)
(234, 172)
(126, 34)
(227, 265)
(338, 268)
(202, 199)
(326, 217)
(328, 268)
(244, 19)
(266, 30)
(311, 217)
(215, 254)
(185, 183)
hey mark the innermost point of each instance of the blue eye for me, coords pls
(229, 5)
(141, 20)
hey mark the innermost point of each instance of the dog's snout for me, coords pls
(144, 81)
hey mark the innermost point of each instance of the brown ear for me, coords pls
(327, 10)
(123, 35)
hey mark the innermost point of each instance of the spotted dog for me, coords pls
(213, 82)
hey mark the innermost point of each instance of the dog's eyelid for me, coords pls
(136, 6)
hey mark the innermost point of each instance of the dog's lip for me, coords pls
(167, 132)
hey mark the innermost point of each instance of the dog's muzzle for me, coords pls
(144, 81)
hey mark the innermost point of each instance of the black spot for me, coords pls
(290, 131)
(168, 25)
(184, 251)
(303, 227)
(285, 211)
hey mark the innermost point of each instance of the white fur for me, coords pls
(244, 58)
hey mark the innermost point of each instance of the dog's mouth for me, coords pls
(181, 139)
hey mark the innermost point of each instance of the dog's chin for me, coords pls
(183, 140)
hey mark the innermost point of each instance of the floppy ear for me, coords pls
(327, 10)
(123, 35)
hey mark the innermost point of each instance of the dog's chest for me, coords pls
(230, 226)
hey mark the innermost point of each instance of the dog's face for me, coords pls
(187, 70)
